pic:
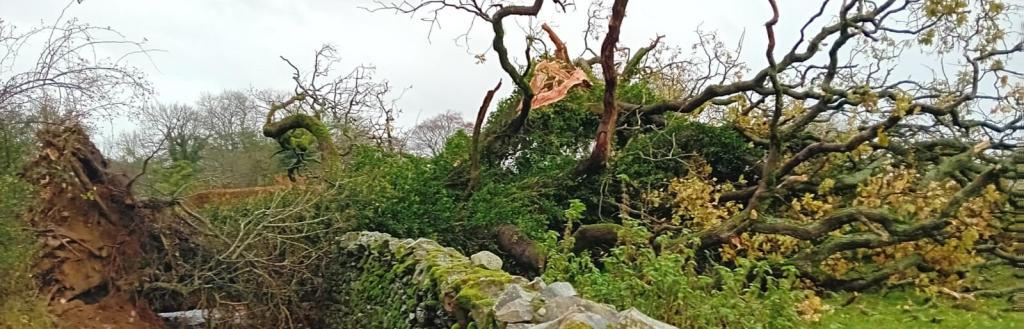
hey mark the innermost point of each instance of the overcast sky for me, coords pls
(212, 45)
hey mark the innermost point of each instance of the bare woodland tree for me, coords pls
(135, 146)
(68, 77)
(231, 118)
(428, 137)
(840, 92)
(179, 127)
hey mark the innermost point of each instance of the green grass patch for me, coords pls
(909, 310)
(21, 307)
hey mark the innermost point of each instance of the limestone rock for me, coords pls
(606, 311)
(584, 320)
(558, 289)
(577, 318)
(187, 318)
(558, 306)
(486, 259)
(537, 284)
(362, 239)
(519, 310)
(512, 292)
(634, 319)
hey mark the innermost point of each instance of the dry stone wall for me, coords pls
(377, 281)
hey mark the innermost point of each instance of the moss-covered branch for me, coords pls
(633, 66)
(297, 133)
(821, 227)
(528, 254)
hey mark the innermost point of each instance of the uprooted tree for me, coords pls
(93, 231)
(97, 237)
(846, 159)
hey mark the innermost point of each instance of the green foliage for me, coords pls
(527, 178)
(671, 287)
(20, 306)
(398, 194)
(560, 131)
(555, 134)
(15, 243)
(298, 146)
(13, 195)
(497, 204)
(186, 148)
(411, 196)
(15, 143)
(173, 178)
(638, 92)
(300, 140)
(657, 157)
(575, 210)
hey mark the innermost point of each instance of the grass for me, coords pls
(21, 307)
(909, 310)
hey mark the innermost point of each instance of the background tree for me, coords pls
(177, 124)
(427, 138)
(236, 154)
(231, 118)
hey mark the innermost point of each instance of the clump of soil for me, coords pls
(95, 235)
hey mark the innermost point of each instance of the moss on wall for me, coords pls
(376, 281)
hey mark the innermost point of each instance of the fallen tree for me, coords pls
(856, 168)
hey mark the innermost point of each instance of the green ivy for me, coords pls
(657, 157)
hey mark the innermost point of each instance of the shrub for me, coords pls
(671, 287)
(173, 178)
(400, 194)
(410, 196)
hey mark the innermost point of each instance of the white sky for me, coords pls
(212, 45)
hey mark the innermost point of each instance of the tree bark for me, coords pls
(474, 166)
(606, 130)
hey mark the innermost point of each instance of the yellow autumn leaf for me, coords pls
(883, 139)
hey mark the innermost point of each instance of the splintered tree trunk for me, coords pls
(474, 167)
(606, 130)
(94, 235)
